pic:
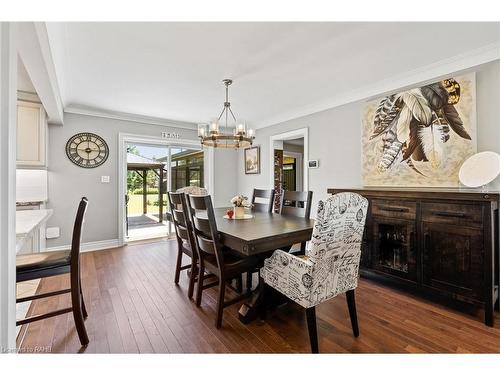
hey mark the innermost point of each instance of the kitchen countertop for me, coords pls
(27, 221)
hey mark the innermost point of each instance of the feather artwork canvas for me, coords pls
(420, 136)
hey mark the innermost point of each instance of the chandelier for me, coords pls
(212, 136)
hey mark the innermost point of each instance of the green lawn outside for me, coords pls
(135, 204)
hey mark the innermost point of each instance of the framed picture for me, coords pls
(421, 136)
(252, 160)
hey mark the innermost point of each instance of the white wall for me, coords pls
(335, 139)
(68, 182)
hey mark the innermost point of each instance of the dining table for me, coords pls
(259, 235)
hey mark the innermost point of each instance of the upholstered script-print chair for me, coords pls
(331, 264)
(192, 190)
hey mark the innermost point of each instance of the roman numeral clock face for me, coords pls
(87, 150)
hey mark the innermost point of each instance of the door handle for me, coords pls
(394, 209)
(449, 214)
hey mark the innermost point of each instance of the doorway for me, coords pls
(288, 155)
(145, 201)
(150, 167)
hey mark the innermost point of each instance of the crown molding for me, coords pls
(423, 75)
(124, 116)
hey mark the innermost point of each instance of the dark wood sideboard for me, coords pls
(439, 243)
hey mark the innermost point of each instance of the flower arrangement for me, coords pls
(241, 201)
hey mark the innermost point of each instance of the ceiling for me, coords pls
(174, 70)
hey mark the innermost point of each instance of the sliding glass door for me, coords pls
(153, 170)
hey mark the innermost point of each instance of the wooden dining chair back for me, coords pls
(260, 195)
(296, 203)
(205, 227)
(185, 239)
(53, 263)
(221, 262)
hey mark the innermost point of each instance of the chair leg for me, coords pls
(351, 304)
(249, 281)
(76, 304)
(178, 266)
(311, 326)
(84, 310)
(192, 279)
(263, 301)
(220, 303)
(239, 284)
(302, 248)
(199, 286)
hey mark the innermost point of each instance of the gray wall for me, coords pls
(226, 162)
(68, 182)
(335, 139)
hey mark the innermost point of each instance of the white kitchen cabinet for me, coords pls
(31, 134)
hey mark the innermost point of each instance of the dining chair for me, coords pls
(260, 195)
(331, 264)
(53, 263)
(192, 190)
(296, 203)
(185, 239)
(225, 264)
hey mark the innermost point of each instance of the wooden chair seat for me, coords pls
(233, 264)
(41, 263)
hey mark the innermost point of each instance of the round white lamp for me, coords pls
(480, 169)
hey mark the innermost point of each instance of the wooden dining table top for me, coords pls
(263, 232)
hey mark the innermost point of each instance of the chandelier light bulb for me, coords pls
(214, 127)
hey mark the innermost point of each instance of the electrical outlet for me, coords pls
(105, 179)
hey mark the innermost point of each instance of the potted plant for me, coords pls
(240, 202)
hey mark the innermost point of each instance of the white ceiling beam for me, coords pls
(34, 51)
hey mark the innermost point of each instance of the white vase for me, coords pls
(239, 212)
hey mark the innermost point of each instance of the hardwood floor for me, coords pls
(135, 307)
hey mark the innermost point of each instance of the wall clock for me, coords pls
(87, 150)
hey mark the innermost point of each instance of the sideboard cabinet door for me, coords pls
(452, 259)
(394, 247)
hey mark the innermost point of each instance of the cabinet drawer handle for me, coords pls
(449, 214)
(394, 209)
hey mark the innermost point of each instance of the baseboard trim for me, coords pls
(89, 246)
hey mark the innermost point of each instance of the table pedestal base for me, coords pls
(251, 309)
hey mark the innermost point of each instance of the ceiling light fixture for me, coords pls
(239, 136)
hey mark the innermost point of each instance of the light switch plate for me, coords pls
(105, 179)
